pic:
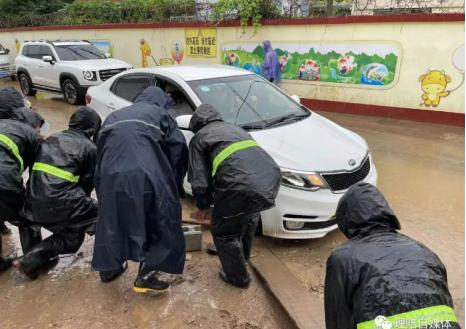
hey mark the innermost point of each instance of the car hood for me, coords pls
(99, 64)
(313, 144)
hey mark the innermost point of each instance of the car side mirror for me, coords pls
(7, 51)
(108, 55)
(296, 99)
(48, 59)
(183, 121)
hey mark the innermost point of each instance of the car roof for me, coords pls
(197, 72)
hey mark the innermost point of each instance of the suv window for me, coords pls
(181, 104)
(45, 51)
(31, 51)
(129, 86)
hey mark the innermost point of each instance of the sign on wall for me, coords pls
(201, 42)
(345, 63)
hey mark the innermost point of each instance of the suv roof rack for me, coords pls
(55, 41)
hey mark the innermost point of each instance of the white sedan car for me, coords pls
(319, 159)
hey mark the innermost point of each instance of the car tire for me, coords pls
(25, 84)
(71, 92)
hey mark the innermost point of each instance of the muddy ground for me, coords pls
(421, 172)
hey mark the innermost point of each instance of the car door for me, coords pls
(126, 88)
(49, 73)
(32, 61)
(183, 104)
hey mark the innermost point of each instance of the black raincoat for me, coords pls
(245, 182)
(18, 146)
(380, 272)
(62, 179)
(142, 160)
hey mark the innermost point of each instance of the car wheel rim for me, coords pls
(24, 85)
(70, 93)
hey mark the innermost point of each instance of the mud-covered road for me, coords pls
(421, 172)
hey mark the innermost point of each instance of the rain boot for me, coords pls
(148, 283)
(108, 276)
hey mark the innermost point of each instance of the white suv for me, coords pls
(68, 67)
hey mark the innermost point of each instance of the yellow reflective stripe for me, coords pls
(229, 150)
(416, 319)
(4, 139)
(54, 171)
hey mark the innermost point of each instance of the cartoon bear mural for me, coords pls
(434, 84)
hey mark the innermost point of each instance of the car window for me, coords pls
(131, 85)
(45, 51)
(78, 52)
(32, 51)
(181, 104)
(247, 100)
(2, 50)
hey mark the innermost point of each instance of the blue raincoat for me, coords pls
(271, 66)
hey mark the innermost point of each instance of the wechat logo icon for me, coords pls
(382, 323)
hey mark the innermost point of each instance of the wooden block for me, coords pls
(304, 309)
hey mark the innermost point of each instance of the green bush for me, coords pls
(247, 11)
(130, 11)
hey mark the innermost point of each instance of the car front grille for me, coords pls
(107, 74)
(343, 181)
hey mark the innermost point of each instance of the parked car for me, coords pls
(319, 159)
(67, 67)
(7, 69)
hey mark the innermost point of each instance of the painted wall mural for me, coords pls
(346, 63)
(146, 52)
(434, 83)
(105, 46)
(177, 52)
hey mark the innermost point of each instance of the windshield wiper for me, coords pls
(252, 127)
(286, 118)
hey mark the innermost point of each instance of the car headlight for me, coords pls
(89, 75)
(309, 182)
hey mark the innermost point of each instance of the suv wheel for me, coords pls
(26, 84)
(71, 92)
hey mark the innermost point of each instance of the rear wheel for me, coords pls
(26, 84)
(71, 92)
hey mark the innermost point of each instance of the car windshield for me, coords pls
(249, 101)
(78, 52)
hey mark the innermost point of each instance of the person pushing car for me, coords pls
(59, 190)
(228, 169)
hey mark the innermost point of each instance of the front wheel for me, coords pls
(26, 84)
(71, 92)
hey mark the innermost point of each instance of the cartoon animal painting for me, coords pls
(232, 59)
(434, 84)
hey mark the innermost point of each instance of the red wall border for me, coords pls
(269, 22)
(439, 117)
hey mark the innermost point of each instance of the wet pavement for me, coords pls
(421, 173)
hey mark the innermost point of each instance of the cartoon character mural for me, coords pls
(283, 62)
(146, 52)
(309, 70)
(374, 74)
(177, 52)
(434, 84)
(18, 45)
(232, 59)
(252, 68)
(346, 64)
